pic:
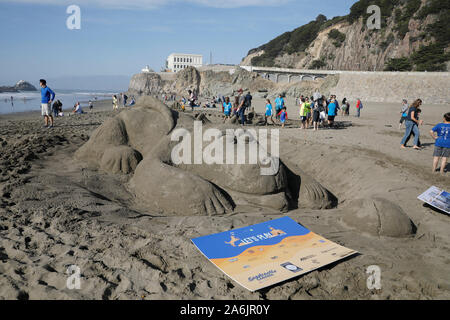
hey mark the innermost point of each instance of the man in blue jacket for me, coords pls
(47, 97)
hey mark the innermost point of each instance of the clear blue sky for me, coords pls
(120, 37)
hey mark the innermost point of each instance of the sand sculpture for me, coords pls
(138, 142)
(378, 217)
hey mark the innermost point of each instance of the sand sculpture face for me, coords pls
(138, 142)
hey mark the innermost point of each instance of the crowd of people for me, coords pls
(122, 100)
(314, 112)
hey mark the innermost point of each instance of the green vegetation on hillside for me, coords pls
(337, 36)
(398, 64)
(289, 42)
(433, 7)
(427, 58)
(430, 58)
(318, 64)
(402, 19)
(332, 22)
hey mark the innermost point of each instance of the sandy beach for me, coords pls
(55, 212)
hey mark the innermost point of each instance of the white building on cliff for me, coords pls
(179, 61)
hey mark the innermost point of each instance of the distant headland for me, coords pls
(19, 86)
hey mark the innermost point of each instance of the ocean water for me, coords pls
(31, 101)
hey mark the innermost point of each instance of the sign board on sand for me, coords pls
(437, 198)
(264, 254)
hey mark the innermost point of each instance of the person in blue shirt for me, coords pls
(332, 112)
(269, 112)
(47, 97)
(279, 104)
(227, 106)
(441, 133)
(283, 116)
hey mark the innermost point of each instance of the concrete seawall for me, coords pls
(431, 87)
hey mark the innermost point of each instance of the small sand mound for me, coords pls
(378, 217)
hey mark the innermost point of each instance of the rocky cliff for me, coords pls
(207, 82)
(414, 36)
(24, 86)
(146, 83)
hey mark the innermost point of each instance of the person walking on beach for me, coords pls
(47, 97)
(269, 112)
(279, 104)
(412, 124)
(441, 133)
(404, 113)
(359, 106)
(91, 106)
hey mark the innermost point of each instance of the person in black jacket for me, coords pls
(57, 107)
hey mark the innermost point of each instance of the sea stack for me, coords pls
(24, 86)
(146, 83)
